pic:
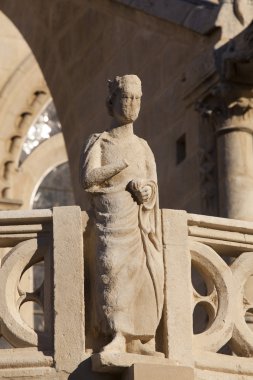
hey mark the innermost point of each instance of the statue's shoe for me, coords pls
(137, 347)
(118, 344)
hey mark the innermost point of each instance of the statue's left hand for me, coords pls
(144, 194)
(141, 193)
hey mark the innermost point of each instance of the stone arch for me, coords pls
(20, 106)
(23, 96)
(36, 166)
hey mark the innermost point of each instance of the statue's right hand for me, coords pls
(103, 173)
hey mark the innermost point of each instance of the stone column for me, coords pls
(235, 172)
(230, 108)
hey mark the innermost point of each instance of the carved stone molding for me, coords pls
(226, 322)
(233, 17)
(230, 106)
(235, 60)
(198, 16)
(10, 204)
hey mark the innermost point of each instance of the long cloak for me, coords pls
(126, 262)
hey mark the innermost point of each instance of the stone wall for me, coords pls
(79, 45)
(13, 48)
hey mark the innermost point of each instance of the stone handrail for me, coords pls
(220, 250)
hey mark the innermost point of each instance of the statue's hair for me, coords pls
(120, 83)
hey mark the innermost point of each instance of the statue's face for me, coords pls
(126, 105)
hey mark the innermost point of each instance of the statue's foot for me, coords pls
(147, 351)
(147, 348)
(118, 344)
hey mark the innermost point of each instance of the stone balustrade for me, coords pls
(220, 252)
(55, 239)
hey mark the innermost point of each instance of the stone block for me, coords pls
(155, 371)
(114, 362)
(177, 260)
(69, 340)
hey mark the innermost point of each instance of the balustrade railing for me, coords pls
(222, 253)
(53, 239)
(208, 265)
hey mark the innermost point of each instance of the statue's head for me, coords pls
(124, 98)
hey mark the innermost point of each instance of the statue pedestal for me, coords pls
(113, 362)
(147, 371)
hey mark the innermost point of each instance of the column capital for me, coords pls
(230, 101)
(230, 105)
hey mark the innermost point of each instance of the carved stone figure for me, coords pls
(126, 265)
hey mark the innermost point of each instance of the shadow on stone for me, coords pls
(84, 371)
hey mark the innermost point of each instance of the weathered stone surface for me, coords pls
(118, 171)
(204, 240)
(199, 17)
(150, 371)
(233, 17)
(18, 358)
(175, 236)
(69, 339)
(114, 362)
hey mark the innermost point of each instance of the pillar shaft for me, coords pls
(235, 173)
(229, 107)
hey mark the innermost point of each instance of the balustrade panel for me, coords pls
(51, 243)
(222, 253)
(25, 240)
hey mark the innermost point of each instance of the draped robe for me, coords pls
(126, 263)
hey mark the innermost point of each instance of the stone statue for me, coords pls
(126, 265)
